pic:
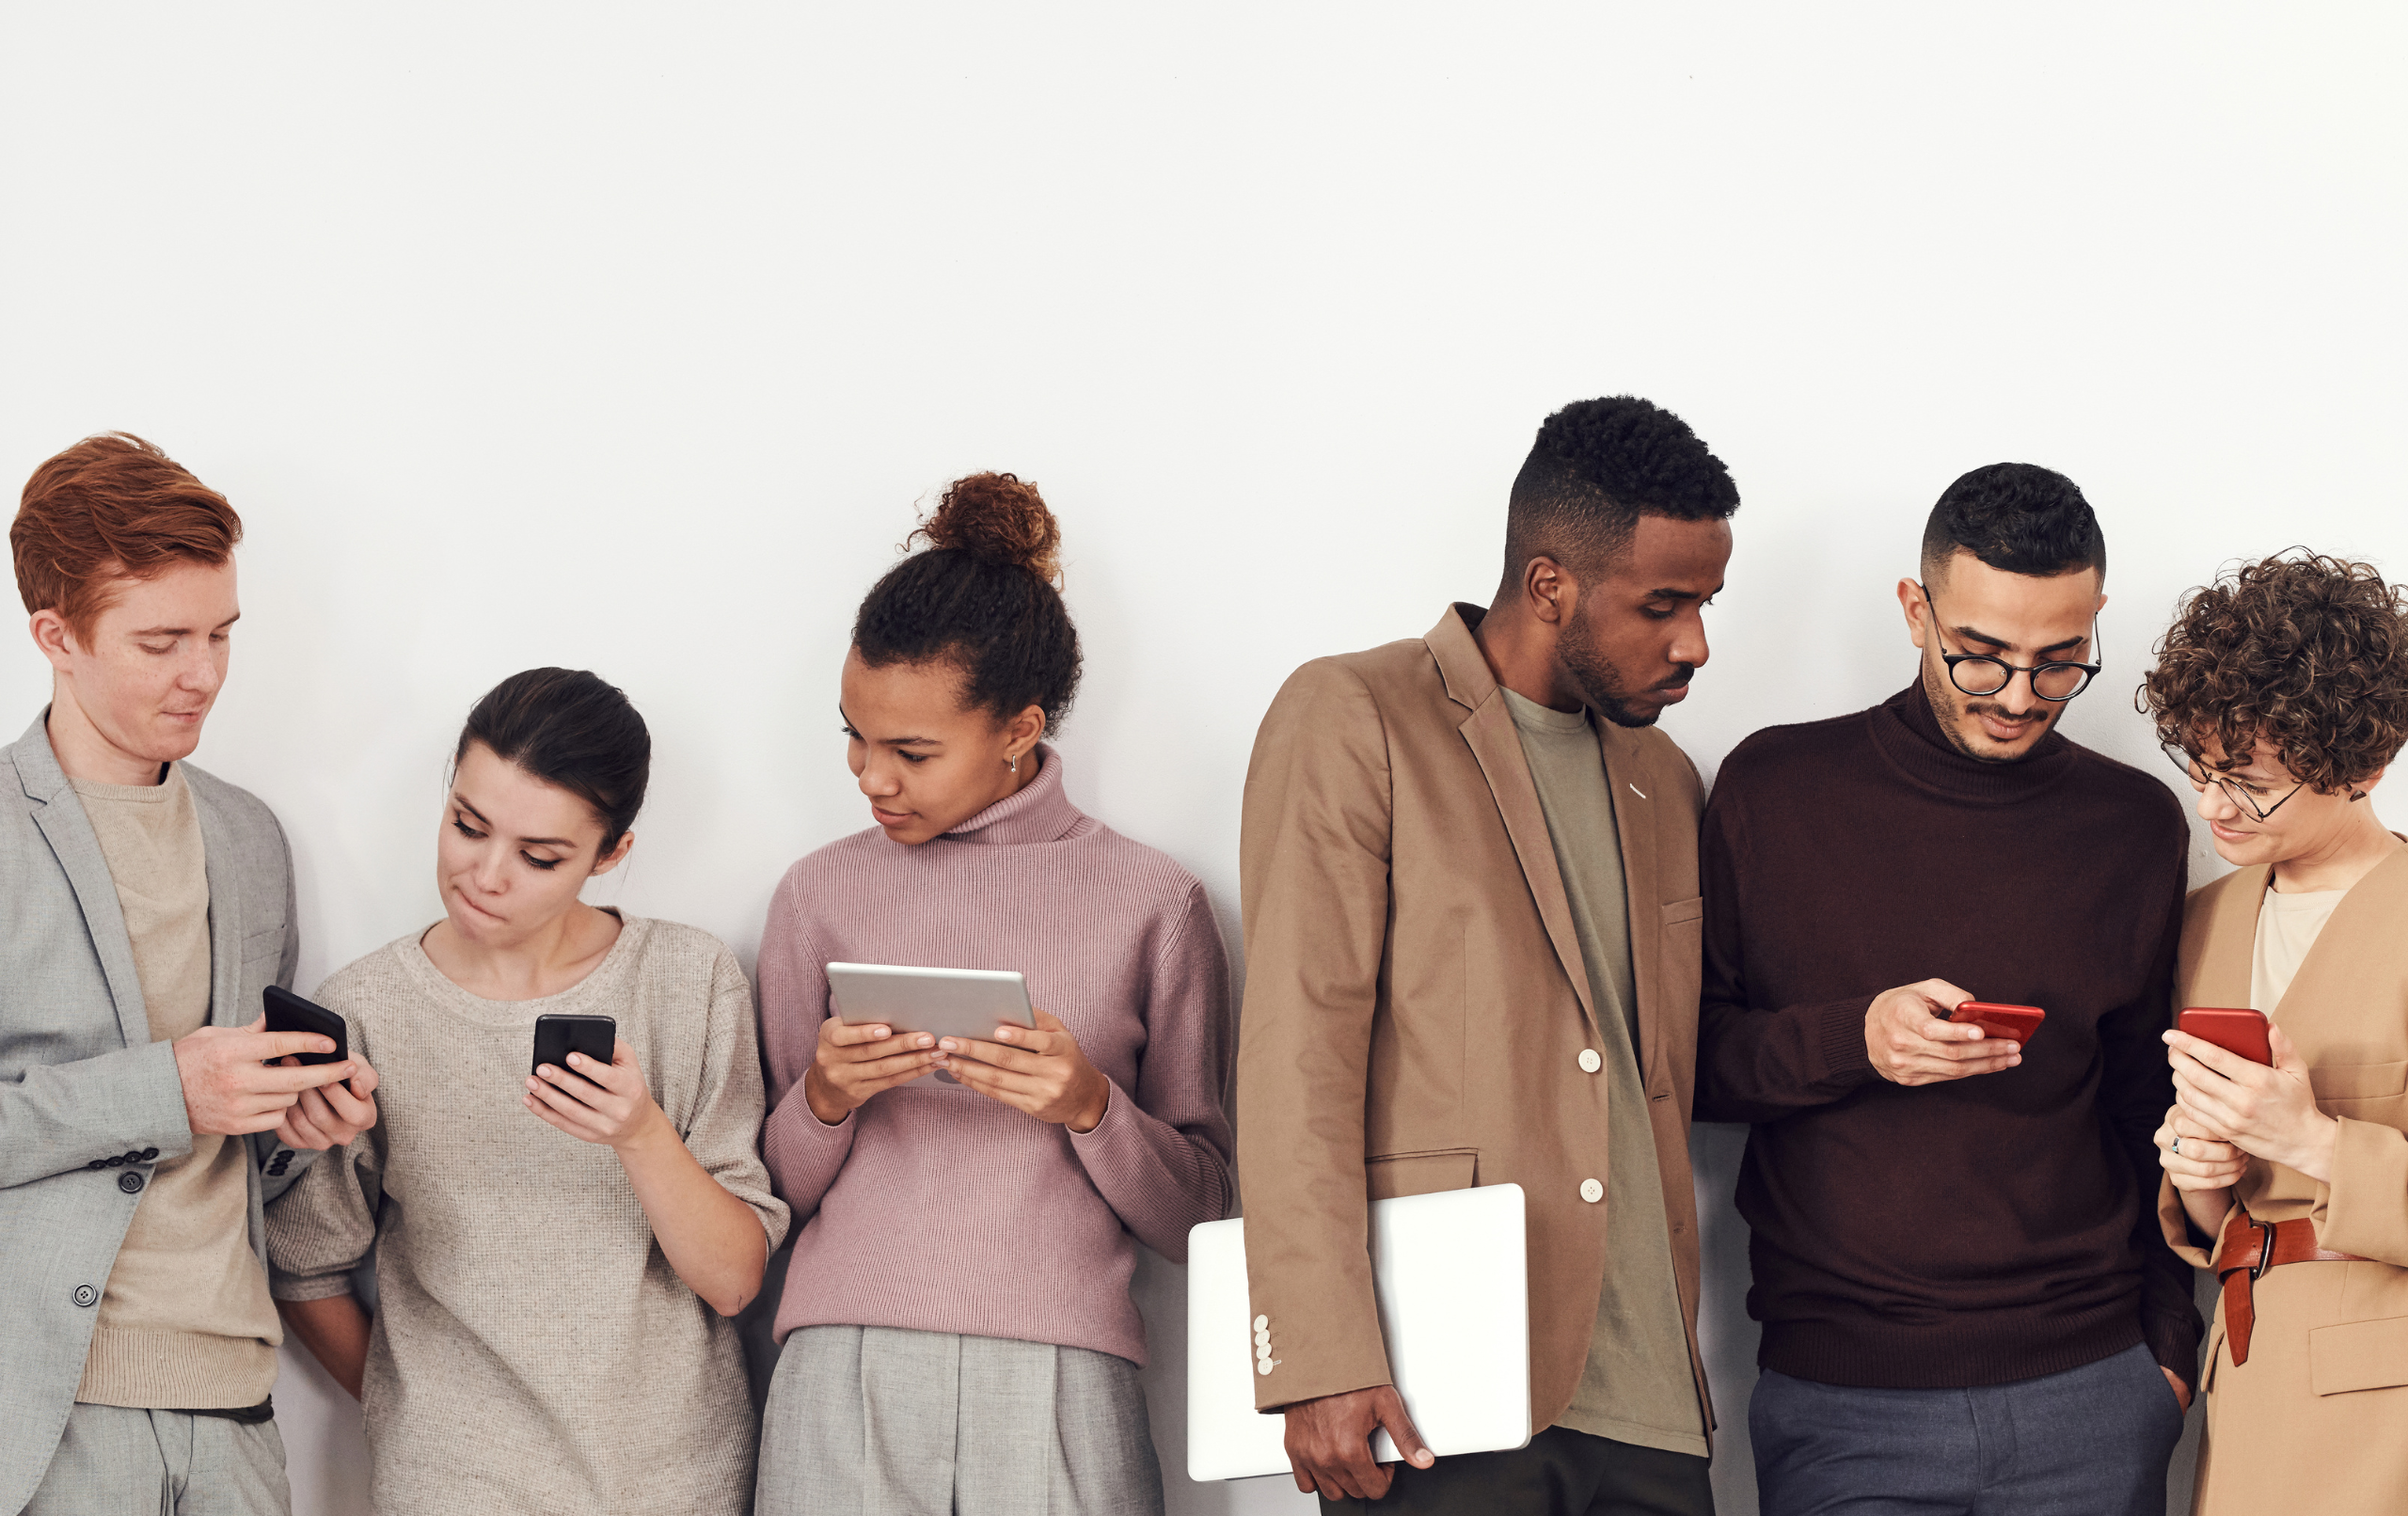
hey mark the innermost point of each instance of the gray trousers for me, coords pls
(114, 1461)
(877, 1421)
(2092, 1441)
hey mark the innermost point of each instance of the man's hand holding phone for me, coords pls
(243, 1079)
(1912, 1041)
(855, 1062)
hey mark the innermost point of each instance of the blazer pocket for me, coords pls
(2358, 1082)
(1691, 910)
(1421, 1174)
(2358, 1355)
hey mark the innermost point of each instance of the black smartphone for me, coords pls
(556, 1037)
(289, 1012)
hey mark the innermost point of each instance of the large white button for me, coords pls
(1591, 1192)
(1263, 1366)
(1590, 1062)
(1263, 1339)
(1261, 1322)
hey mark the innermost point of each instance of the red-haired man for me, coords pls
(146, 1112)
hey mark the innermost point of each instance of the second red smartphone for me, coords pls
(2237, 1031)
(2011, 1023)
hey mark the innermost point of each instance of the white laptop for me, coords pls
(1454, 1284)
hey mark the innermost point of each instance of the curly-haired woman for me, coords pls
(2282, 692)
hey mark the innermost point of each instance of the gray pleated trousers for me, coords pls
(877, 1421)
(112, 1461)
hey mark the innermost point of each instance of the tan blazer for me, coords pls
(1415, 1004)
(2319, 1413)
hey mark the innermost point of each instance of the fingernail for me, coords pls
(926, 1041)
(946, 1045)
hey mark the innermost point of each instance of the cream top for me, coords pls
(2288, 925)
(186, 1321)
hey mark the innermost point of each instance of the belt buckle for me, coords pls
(2265, 1248)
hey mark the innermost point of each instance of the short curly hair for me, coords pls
(1596, 467)
(2307, 652)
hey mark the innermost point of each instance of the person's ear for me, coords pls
(1022, 732)
(51, 636)
(1551, 591)
(617, 855)
(1918, 610)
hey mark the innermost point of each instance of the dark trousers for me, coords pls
(1561, 1472)
(2090, 1442)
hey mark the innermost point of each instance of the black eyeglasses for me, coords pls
(1978, 674)
(2236, 790)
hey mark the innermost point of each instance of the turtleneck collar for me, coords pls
(1041, 812)
(1908, 733)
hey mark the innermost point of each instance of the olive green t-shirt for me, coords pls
(1635, 1386)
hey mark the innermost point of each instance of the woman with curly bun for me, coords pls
(2282, 691)
(956, 1324)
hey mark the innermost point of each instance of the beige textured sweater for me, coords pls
(534, 1351)
(186, 1321)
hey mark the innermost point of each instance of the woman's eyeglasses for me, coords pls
(2243, 795)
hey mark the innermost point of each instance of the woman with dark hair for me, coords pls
(558, 1254)
(956, 1324)
(2282, 692)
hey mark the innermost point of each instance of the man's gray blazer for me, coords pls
(88, 1103)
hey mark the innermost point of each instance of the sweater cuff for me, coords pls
(2174, 1342)
(1839, 1041)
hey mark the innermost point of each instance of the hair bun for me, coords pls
(1000, 518)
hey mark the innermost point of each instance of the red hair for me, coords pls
(111, 507)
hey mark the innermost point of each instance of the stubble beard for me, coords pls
(1953, 717)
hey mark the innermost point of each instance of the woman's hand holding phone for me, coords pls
(1041, 1071)
(855, 1062)
(595, 1102)
(2267, 1113)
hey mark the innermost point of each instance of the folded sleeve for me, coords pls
(725, 1134)
(1162, 1161)
(2363, 1209)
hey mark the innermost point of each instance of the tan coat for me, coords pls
(2318, 1418)
(1416, 1003)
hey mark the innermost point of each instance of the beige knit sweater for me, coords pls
(534, 1351)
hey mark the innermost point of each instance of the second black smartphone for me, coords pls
(289, 1012)
(556, 1037)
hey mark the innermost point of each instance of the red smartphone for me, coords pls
(2237, 1031)
(2013, 1023)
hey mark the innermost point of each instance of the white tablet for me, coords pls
(943, 1003)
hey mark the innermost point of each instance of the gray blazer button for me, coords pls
(129, 1183)
(87, 1295)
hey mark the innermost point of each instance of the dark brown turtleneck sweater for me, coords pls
(1980, 1230)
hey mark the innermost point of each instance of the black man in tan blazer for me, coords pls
(1472, 934)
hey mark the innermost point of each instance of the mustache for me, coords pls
(2039, 713)
(1679, 678)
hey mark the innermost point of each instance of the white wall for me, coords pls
(625, 336)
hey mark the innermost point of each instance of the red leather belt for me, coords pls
(2250, 1248)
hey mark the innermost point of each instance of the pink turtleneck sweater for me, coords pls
(935, 1208)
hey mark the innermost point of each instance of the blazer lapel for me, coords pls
(1496, 745)
(2227, 941)
(2362, 932)
(69, 832)
(225, 917)
(1632, 785)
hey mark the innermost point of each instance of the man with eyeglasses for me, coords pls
(1966, 1303)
